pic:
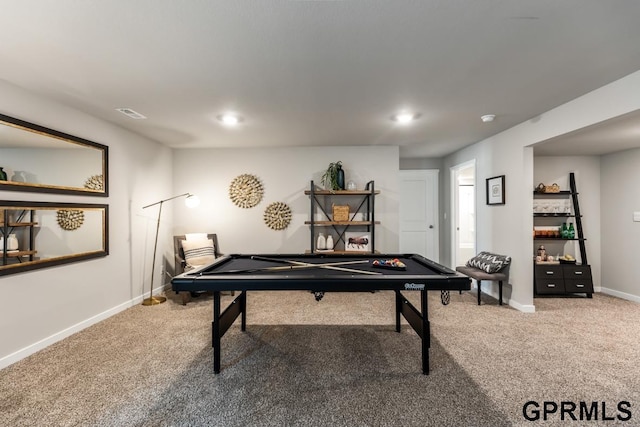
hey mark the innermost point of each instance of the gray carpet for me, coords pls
(337, 362)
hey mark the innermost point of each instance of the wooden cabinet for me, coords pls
(360, 222)
(18, 223)
(559, 277)
(563, 279)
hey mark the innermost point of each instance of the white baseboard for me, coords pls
(523, 308)
(494, 291)
(618, 294)
(58, 336)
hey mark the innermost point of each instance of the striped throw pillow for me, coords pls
(198, 252)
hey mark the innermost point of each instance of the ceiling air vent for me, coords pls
(132, 114)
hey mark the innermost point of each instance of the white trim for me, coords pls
(453, 180)
(59, 336)
(618, 294)
(522, 308)
(493, 291)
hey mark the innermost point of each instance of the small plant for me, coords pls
(330, 177)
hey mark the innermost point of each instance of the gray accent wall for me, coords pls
(285, 174)
(620, 234)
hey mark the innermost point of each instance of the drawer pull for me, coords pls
(579, 286)
(579, 273)
(551, 285)
(550, 273)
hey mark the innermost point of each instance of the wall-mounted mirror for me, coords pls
(35, 158)
(39, 234)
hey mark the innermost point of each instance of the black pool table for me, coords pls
(320, 273)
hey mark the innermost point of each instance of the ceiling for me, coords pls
(319, 73)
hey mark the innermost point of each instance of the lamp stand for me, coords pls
(158, 300)
(154, 300)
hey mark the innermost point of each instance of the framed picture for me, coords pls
(357, 241)
(495, 190)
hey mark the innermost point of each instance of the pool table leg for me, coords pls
(216, 332)
(398, 310)
(426, 332)
(418, 320)
(243, 308)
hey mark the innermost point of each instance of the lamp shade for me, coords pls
(192, 201)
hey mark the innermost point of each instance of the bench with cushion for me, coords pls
(490, 267)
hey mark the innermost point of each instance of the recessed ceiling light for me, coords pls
(404, 117)
(230, 119)
(131, 113)
(488, 118)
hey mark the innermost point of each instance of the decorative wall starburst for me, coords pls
(95, 182)
(277, 216)
(246, 191)
(70, 219)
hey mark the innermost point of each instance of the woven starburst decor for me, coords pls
(70, 219)
(95, 182)
(277, 216)
(246, 191)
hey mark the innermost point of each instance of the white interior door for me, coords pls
(419, 213)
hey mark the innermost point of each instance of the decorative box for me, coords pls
(340, 213)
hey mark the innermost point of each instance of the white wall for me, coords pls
(285, 174)
(620, 234)
(586, 169)
(507, 229)
(40, 307)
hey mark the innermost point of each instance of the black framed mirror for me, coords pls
(36, 158)
(36, 235)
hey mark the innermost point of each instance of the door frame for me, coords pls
(454, 172)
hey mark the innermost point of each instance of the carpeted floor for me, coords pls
(337, 362)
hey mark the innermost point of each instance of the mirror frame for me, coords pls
(65, 137)
(63, 259)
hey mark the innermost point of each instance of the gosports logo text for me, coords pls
(572, 411)
(414, 286)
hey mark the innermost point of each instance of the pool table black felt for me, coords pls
(272, 272)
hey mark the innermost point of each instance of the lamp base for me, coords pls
(153, 300)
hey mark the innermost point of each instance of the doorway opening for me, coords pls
(463, 200)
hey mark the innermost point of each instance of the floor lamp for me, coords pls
(191, 201)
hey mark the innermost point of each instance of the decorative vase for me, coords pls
(12, 243)
(571, 233)
(340, 177)
(19, 176)
(321, 244)
(3, 174)
(330, 242)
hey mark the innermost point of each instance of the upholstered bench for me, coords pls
(490, 267)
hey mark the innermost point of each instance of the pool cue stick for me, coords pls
(312, 265)
(289, 267)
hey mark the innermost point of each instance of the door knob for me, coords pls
(431, 226)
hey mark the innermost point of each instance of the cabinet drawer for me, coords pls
(582, 272)
(544, 272)
(579, 285)
(550, 286)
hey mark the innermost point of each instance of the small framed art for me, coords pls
(495, 190)
(357, 242)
